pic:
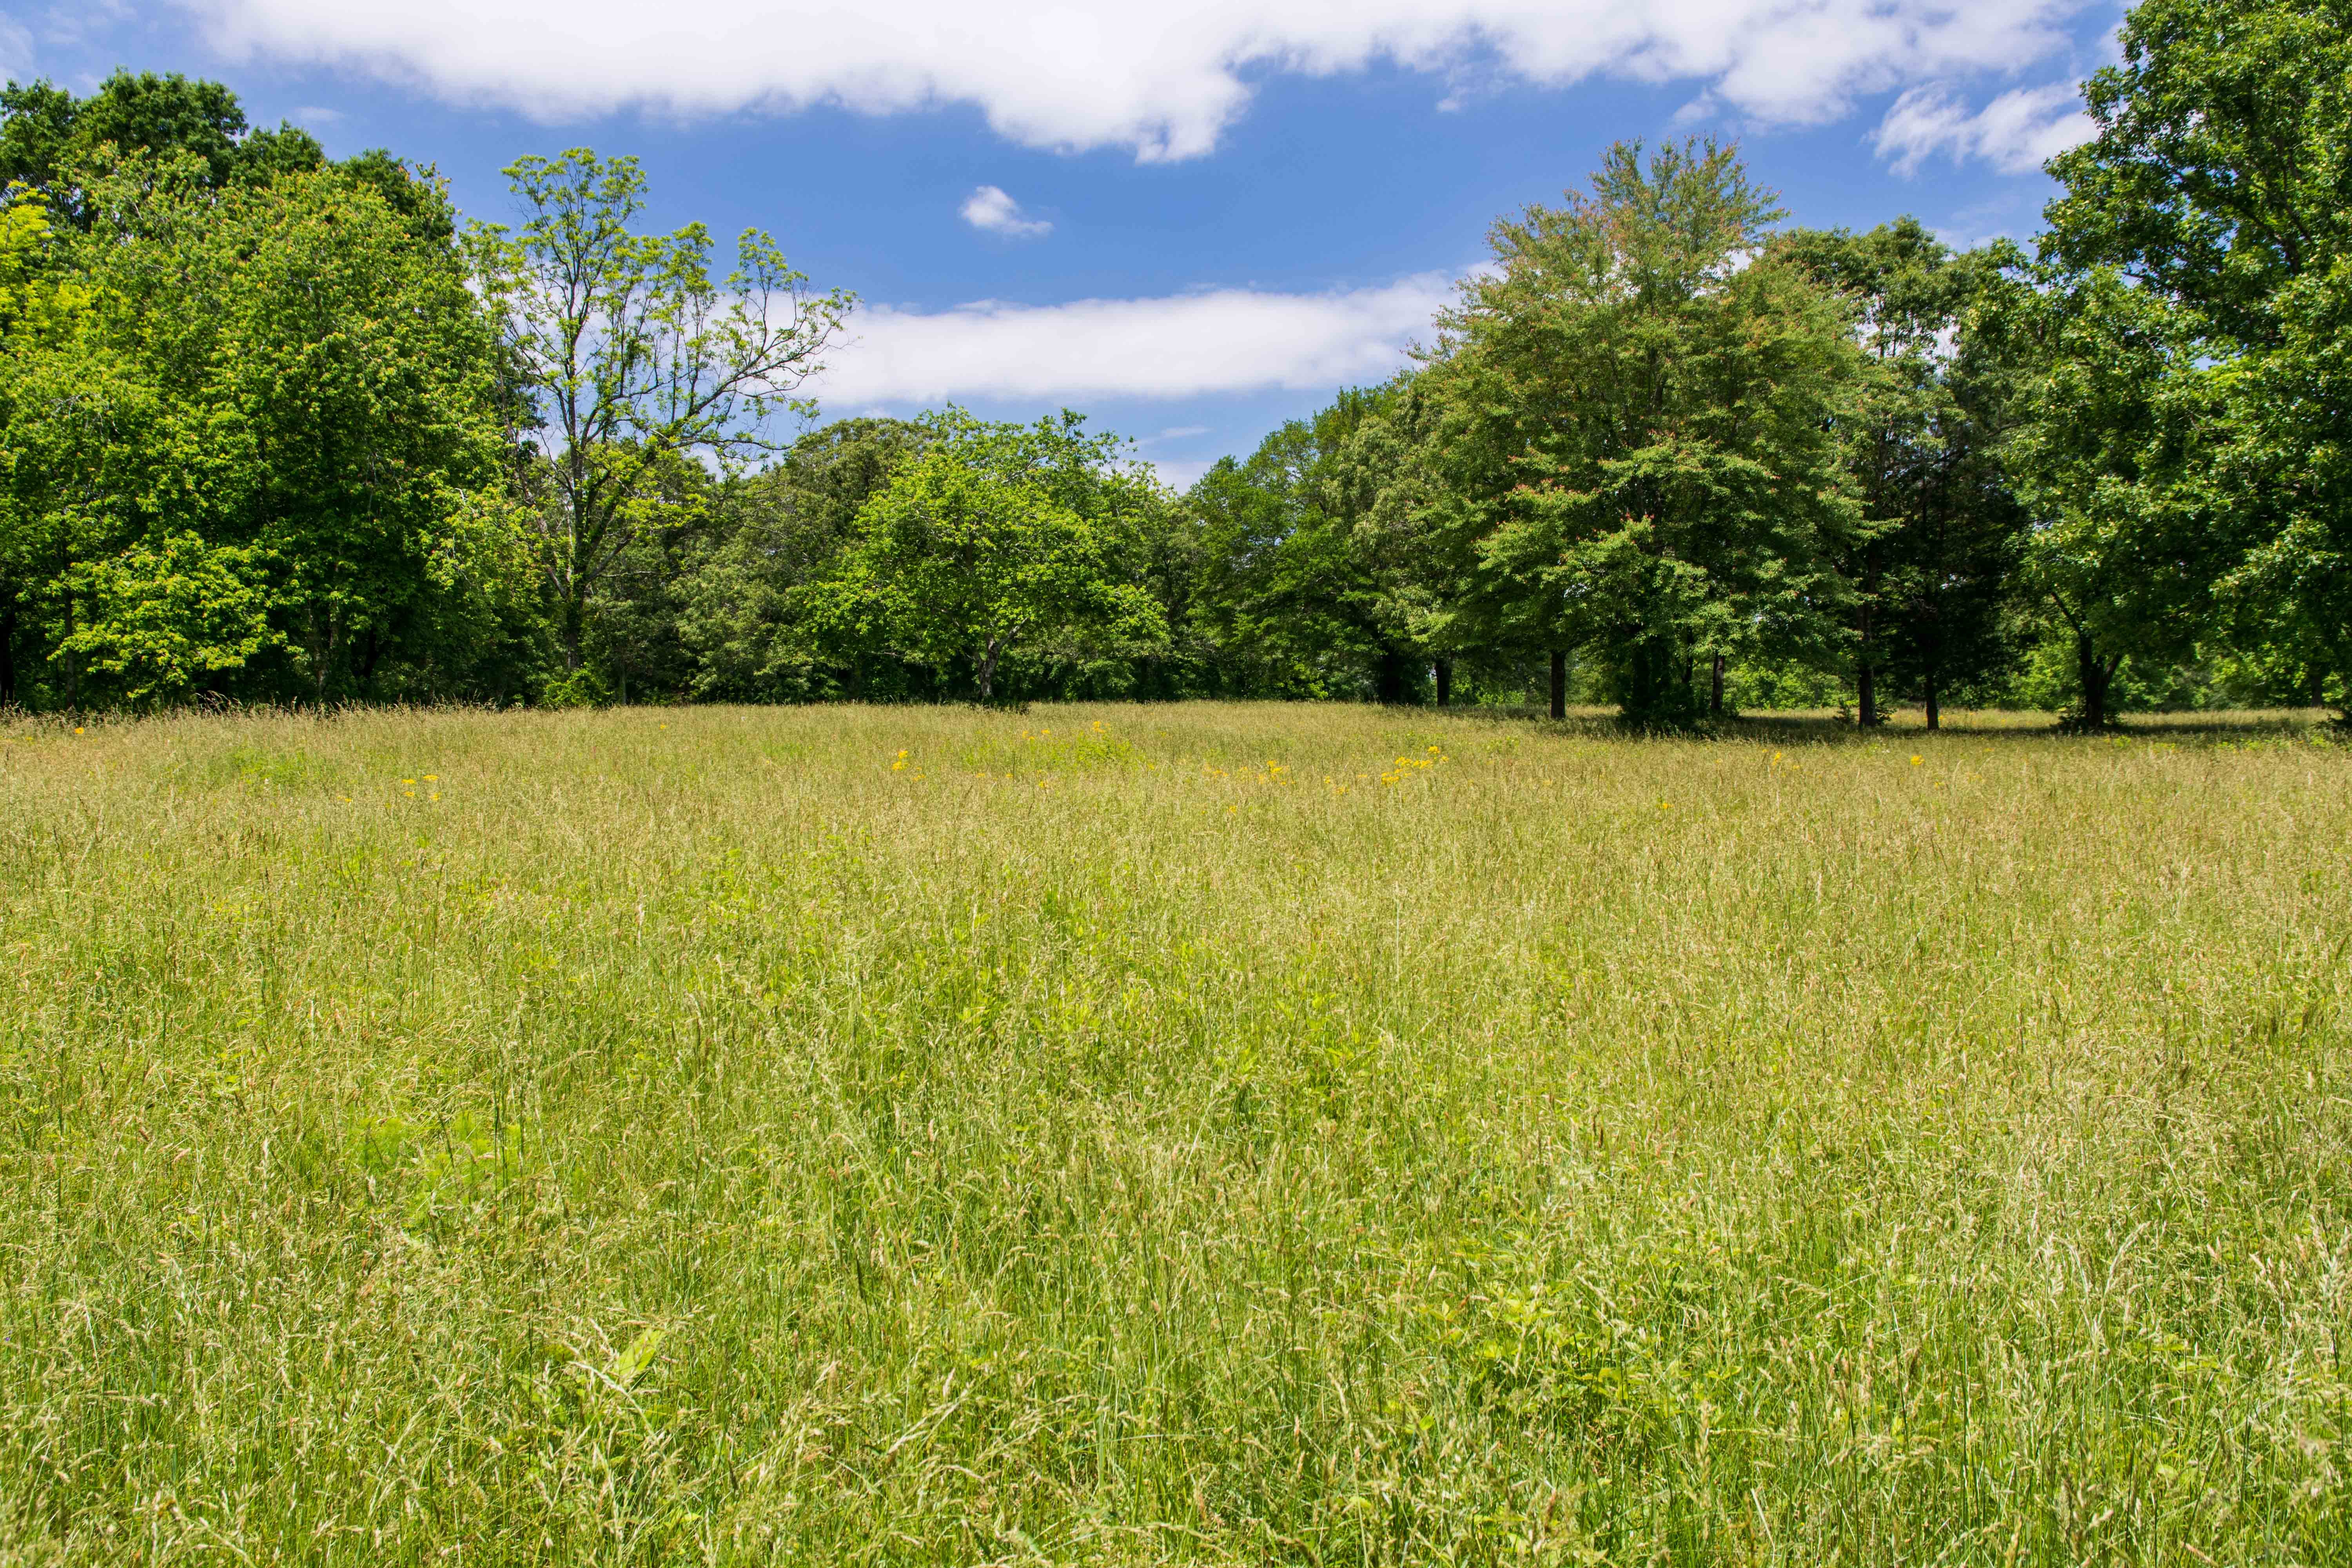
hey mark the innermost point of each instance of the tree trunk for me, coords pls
(1714, 690)
(1935, 712)
(1641, 685)
(1865, 676)
(2096, 673)
(1444, 676)
(574, 620)
(1391, 678)
(986, 673)
(1559, 683)
(323, 653)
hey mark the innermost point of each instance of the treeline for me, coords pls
(278, 428)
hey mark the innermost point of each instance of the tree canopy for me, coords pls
(277, 427)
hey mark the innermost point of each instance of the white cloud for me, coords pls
(1181, 474)
(15, 51)
(2016, 133)
(1231, 340)
(1165, 80)
(989, 210)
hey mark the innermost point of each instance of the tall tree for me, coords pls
(2115, 461)
(994, 539)
(1637, 438)
(265, 463)
(56, 144)
(1931, 573)
(776, 531)
(2209, 212)
(1300, 595)
(635, 354)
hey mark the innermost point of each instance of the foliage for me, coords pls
(776, 532)
(633, 356)
(276, 415)
(2207, 213)
(1634, 441)
(272, 428)
(993, 538)
(2115, 462)
(1933, 571)
(57, 144)
(1294, 593)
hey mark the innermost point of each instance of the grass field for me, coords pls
(1202, 1134)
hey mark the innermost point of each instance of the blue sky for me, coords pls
(1191, 223)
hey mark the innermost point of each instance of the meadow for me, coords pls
(1213, 1135)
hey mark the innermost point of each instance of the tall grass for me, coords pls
(1203, 1134)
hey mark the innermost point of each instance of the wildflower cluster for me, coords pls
(1404, 767)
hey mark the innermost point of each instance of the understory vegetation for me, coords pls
(1203, 1133)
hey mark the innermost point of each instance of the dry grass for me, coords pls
(685, 1137)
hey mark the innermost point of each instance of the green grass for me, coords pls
(691, 1139)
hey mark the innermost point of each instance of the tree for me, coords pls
(56, 144)
(2115, 461)
(633, 355)
(994, 538)
(265, 461)
(2208, 211)
(1931, 573)
(775, 532)
(1635, 447)
(42, 307)
(1299, 594)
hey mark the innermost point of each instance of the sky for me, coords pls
(1190, 222)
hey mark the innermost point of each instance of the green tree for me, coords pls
(1635, 446)
(2115, 461)
(43, 305)
(632, 354)
(1298, 592)
(634, 641)
(56, 144)
(994, 538)
(265, 463)
(774, 532)
(1932, 572)
(2204, 231)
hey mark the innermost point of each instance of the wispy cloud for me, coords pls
(1185, 345)
(1164, 80)
(1181, 473)
(990, 210)
(16, 50)
(2016, 133)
